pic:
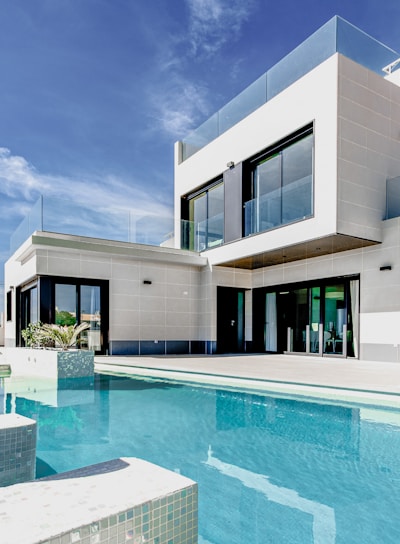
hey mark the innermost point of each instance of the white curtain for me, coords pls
(271, 335)
(355, 316)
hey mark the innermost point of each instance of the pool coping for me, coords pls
(314, 391)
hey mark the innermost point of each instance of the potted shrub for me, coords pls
(64, 336)
(50, 352)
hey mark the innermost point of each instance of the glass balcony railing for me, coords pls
(285, 205)
(336, 36)
(67, 217)
(202, 235)
(393, 198)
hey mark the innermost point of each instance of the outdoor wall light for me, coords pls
(386, 267)
(230, 164)
(146, 282)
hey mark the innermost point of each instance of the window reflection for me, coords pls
(282, 187)
(91, 313)
(206, 218)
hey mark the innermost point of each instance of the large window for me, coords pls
(320, 317)
(66, 301)
(281, 185)
(204, 228)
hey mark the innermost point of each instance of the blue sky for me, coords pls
(94, 93)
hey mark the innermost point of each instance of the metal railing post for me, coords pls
(320, 339)
(289, 339)
(307, 338)
(344, 341)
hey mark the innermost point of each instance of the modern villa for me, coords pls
(287, 226)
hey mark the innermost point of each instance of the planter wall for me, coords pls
(50, 363)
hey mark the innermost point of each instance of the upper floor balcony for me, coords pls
(336, 36)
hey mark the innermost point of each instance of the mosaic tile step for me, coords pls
(17, 449)
(125, 500)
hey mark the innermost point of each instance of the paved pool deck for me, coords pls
(348, 379)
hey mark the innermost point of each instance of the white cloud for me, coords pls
(215, 22)
(181, 106)
(179, 102)
(104, 207)
(19, 178)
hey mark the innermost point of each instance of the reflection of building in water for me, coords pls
(69, 414)
(303, 464)
(329, 426)
(2, 396)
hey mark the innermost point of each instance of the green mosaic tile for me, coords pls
(145, 508)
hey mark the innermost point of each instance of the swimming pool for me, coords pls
(270, 469)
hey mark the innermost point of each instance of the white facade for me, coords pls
(339, 263)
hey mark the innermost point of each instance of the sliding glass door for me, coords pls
(316, 318)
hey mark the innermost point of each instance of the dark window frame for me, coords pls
(46, 301)
(277, 148)
(188, 235)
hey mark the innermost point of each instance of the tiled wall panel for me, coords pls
(17, 449)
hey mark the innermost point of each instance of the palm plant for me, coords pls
(64, 336)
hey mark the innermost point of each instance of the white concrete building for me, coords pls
(287, 225)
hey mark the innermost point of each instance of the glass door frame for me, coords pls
(313, 338)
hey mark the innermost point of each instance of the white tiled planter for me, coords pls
(50, 363)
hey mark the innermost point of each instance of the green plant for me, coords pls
(32, 335)
(63, 336)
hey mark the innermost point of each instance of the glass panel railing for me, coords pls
(263, 213)
(297, 200)
(215, 231)
(242, 105)
(68, 217)
(337, 35)
(150, 229)
(202, 235)
(313, 51)
(360, 47)
(203, 135)
(280, 207)
(32, 222)
(393, 198)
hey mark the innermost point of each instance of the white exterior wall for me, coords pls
(379, 290)
(211, 278)
(166, 310)
(311, 98)
(16, 273)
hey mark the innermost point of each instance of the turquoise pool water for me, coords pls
(270, 469)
